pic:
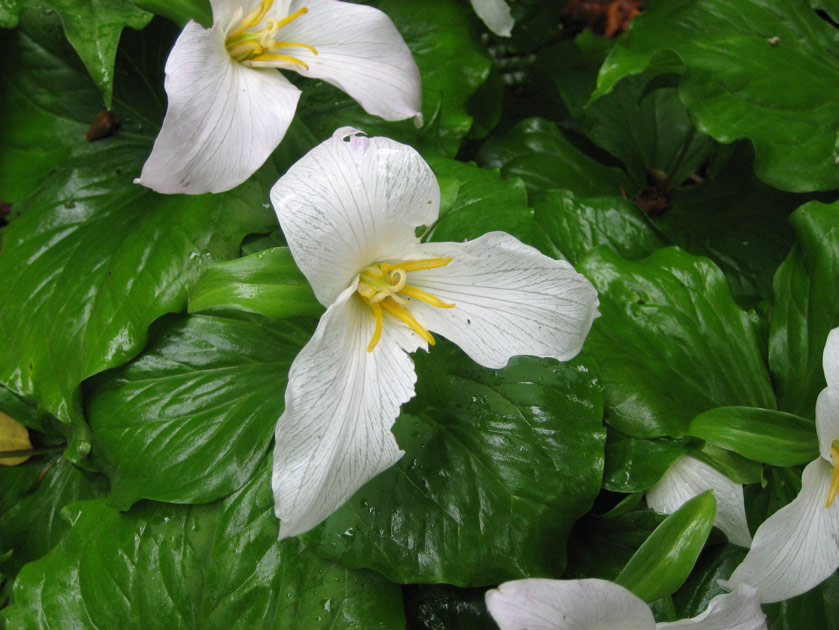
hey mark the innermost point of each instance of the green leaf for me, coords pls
(671, 343)
(764, 435)
(814, 609)
(28, 414)
(752, 69)
(214, 566)
(93, 27)
(577, 224)
(475, 201)
(32, 526)
(191, 418)
(536, 151)
(715, 563)
(666, 558)
(180, 11)
(267, 282)
(635, 465)
(93, 259)
(806, 308)
(738, 222)
(647, 129)
(734, 466)
(601, 546)
(451, 61)
(444, 607)
(489, 485)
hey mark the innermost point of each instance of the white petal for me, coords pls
(496, 15)
(739, 610)
(688, 477)
(539, 604)
(223, 119)
(509, 298)
(798, 546)
(359, 51)
(351, 201)
(827, 420)
(340, 404)
(830, 359)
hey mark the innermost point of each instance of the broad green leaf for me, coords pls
(577, 224)
(28, 414)
(490, 484)
(267, 282)
(444, 607)
(93, 27)
(634, 465)
(806, 308)
(94, 259)
(536, 151)
(666, 558)
(764, 435)
(647, 128)
(601, 546)
(781, 486)
(737, 221)
(752, 69)
(734, 466)
(476, 201)
(671, 343)
(452, 63)
(814, 609)
(715, 563)
(180, 568)
(180, 11)
(190, 419)
(32, 526)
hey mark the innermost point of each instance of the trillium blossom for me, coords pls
(540, 604)
(350, 209)
(229, 106)
(688, 477)
(797, 547)
(496, 15)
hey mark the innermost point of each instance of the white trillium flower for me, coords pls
(349, 210)
(229, 106)
(540, 604)
(688, 477)
(797, 547)
(496, 15)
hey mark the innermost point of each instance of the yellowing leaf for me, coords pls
(13, 437)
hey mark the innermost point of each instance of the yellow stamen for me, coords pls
(380, 286)
(402, 313)
(416, 265)
(274, 57)
(257, 47)
(426, 297)
(834, 484)
(377, 315)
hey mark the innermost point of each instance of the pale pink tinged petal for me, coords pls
(540, 604)
(509, 299)
(827, 420)
(352, 201)
(830, 359)
(796, 548)
(223, 119)
(496, 15)
(361, 52)
(688, 477)
(739, 610)
(340, 404)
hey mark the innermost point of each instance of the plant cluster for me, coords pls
(425, 314)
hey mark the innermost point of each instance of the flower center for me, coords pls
(257, 47)
(834, 484)
(384, 287)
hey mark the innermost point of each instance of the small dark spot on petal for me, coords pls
(469, 321)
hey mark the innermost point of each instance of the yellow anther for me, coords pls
(402, 313)
(380, 286)
(834, 483)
